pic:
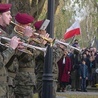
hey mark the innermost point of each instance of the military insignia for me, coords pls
(0, 32)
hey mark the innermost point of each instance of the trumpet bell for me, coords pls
(51, 40)
(67, 44)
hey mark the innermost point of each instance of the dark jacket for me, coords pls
(83, 71)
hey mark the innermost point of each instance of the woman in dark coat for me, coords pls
(64, 66)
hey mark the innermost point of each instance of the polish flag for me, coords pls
(73, 30)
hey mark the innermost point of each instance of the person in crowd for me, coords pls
(96, 61)
(5, 52)
(76, 44)
(83, 72)
(75, 83)
(93, 54)
(64, 66)
(75, 67)
(84, 56)
(91, 68)
(87, 52)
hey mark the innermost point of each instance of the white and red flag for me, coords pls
(73, 30)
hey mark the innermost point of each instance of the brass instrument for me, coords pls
(29, 39)
(67, 44)
(22, 50)
(28, 45)
(35, 40)
(49, 40)
(16, 24)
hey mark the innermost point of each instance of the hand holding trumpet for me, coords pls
(44, 34)
(22, 44)
(28, 31)
(14, 42)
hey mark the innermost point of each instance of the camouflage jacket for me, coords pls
(25, 74)
(57, 54)
(5, 55)
(39, 64)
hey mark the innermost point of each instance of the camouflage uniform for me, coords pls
(24, 80)
(25, 77)
(5, 56)
(12, 67)
(12, 70)
(57, 53)
(39, 64)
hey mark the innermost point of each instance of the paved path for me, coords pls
(75, 93)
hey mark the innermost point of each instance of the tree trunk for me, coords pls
(33, 7)
(56, 4)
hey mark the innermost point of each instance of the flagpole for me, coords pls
(82, 40)
(72, 40)
(82, 45)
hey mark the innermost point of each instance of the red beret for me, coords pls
(5, 7)
(24, 18)
(38, 24)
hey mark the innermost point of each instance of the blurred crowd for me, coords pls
(78, 69)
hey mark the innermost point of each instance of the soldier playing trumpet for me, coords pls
(39, 62)
(5, 53)
(24, 79)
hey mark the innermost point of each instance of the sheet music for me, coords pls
(45, 24)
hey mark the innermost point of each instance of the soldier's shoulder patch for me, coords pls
(0, 32)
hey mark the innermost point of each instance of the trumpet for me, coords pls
(22, 50)
(35, 40)
(49, 40)
(67, 44)
(17, 24)
(28, 45)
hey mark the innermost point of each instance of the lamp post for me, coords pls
(47, 90)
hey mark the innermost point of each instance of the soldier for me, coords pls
(5, 53)
(57, 53)
(39, 63)
(13, 65)
(24, 80)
